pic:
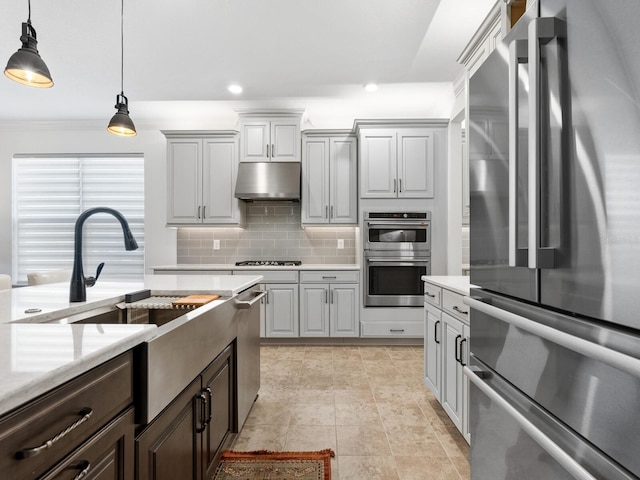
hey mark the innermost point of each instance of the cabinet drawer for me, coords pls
(392, 329)
(452, 303)
(104, 391)
(432, 294)
(330, 276)
(108, 454)
(272, 276)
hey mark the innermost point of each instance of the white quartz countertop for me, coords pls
(456, 283)
(37, 356)
(228, 266)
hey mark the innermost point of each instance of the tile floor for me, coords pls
(367, 403)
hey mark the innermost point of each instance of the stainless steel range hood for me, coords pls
(268, 181)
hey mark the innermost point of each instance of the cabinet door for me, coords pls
(184, 181)
(169, 447)
(344, 303)
(343, 181)
(254, 138)
(466, 428)
(219, 170)
(217, 383)
(452, 376)
(282, 310)
(433, 351)
(315, 180)
(415, 163)
(378, 160)
(314, 310)
(285, 140)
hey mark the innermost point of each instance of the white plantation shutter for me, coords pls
(48, 195)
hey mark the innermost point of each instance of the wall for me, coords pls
(273, 231)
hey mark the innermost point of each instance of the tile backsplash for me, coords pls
(273, 231)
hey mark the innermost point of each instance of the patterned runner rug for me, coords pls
(266, 465)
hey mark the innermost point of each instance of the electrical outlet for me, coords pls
(340, 243)
(216, 244)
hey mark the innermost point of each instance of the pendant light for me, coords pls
(25, 66)
(121, 124)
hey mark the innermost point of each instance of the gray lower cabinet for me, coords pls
(331, 308)
(446, 349)
(281, 310)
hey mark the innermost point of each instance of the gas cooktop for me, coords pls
(269, 263)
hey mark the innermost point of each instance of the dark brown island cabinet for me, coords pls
(82, 429)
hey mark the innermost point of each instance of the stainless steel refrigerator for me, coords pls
(554, 142)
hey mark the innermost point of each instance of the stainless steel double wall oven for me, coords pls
(397, 253)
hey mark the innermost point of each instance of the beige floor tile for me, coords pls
(454, 443)
(414, 441)
(374, 353)
(462, 465)
(400, 353)
(357, 414)
(350, 378)
(265, 412)
(316, 379)
(401, 414)
(353, 393)
(367, 468)
(310, 414)
(261, 437)
(310, 394)
(362, 440)
(426, 468)
(310, 438)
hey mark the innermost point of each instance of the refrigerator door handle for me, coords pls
(541, 30)
(562, 457)
(616, 359)
(517, 54)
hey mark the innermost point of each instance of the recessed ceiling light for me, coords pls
(371, 87)
(237, 89)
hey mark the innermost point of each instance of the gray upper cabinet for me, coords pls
(201, 176)
(269, 138)
(398, 162)
(329, 179)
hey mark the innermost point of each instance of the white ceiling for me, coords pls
(187, 52)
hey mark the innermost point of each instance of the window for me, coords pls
(48, 195)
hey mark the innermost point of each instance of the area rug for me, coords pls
(266, 465)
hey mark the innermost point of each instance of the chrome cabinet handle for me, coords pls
(394, 185)
(618, 360)
(429, 295)
(564, 459)
(399, 330)
(204, 212)
(326, 296)
(329, 277)
(457, 309)
(210, 403)
(30, 452)
(202, 398)
(331, 297)
(273, 150)
(435, 332)
(464, 340)
(267, 150)
(84, 467)
(331, 212)
(199, 211)
(326, 211)
(260, 294)
(517, 55)
(458, 337)
(400, 185)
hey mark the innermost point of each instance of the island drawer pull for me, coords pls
(30, 452)
(249, 303)
(84, 466)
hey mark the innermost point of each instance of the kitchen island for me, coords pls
(53, 367)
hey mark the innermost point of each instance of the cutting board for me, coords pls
(194, 300)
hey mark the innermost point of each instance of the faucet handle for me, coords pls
(91, 281)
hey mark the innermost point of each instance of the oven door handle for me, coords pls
(397, 260)
(398, 225)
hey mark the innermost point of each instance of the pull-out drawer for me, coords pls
(432, 294)
(392, 329)
(452, 303)
(326, 276)
(36, 436)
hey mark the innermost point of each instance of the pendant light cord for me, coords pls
(29, 17)
(121, 47)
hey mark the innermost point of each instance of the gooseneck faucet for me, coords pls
(79, 283)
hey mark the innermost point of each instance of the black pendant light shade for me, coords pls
(26, 66)
(121, 124)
